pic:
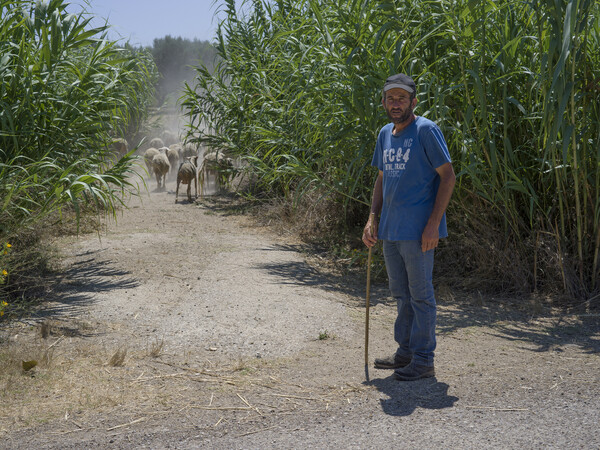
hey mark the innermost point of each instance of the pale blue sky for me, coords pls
(140, 21)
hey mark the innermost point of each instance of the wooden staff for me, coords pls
(368, 299)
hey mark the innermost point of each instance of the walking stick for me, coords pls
(368, 300)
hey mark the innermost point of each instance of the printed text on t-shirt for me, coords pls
(395, 159)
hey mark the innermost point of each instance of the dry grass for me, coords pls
(74, 387)
(314, 218)
(479, 257)
(118, 358)
(156, 348)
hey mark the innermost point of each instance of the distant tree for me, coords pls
(174, 58)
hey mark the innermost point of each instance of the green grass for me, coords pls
(324, 335)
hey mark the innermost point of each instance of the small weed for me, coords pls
(45, 329)
(324, 335)
(246, 371)
(156, 348)
(243, 367)
(118, 359)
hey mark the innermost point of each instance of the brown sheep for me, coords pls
(188, 171)
(161, 167)
(178, 147)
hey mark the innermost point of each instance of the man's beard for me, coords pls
(402, 118)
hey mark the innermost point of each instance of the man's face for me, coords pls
(398, 105)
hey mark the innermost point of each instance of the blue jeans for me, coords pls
(410, 273)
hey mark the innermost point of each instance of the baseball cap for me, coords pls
(401, 81)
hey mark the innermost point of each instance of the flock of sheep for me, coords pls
(165, 156)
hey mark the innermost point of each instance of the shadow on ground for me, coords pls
(78, 285)
(403, 398)
(506, 318)
(352, 283)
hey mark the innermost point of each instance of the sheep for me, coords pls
(189, 149)
(120, 147)
(187, 171)
(173, 156)
(161, 167)
(217, 166)
(148, 155)
(168, 137)
(157, 143)
(177, 146)
(114, 149)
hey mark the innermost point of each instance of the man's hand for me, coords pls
(370, 239)
(430, 237)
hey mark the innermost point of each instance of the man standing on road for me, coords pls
(412, 191)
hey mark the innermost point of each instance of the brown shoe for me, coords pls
(392, 362)
(413, 372)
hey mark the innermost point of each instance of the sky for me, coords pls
(141, 21)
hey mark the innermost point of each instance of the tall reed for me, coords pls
(65, 91)
(514, 86)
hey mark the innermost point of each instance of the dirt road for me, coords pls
(185, 326)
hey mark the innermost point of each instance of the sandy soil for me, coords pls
(186, 326)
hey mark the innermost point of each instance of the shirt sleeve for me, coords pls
(435, 147)
(377, 154)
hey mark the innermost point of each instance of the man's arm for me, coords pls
(376, 204)
(431, 235)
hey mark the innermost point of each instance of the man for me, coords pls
(412, 191)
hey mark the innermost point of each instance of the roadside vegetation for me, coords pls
(65, 93)
(515, 87)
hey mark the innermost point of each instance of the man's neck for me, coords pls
(398, 127)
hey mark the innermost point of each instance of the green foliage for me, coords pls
(324, 335)
(175, 58)
(513, 85)
(65, 91)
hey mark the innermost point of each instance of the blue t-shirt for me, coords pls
(410, 183)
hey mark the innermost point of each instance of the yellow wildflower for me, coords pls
(8, 245)
(4, 272)
(3, 303)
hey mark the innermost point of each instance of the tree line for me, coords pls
(175, 59)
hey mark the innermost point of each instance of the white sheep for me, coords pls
(188, 171)
(148, 155)
(168, 137)
(120, 146)
(157, 142)
(161, 167)
(173, 156)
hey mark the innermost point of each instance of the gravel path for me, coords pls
(231, 337)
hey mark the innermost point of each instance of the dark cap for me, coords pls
(401, 81)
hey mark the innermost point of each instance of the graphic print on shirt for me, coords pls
(395, 160)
